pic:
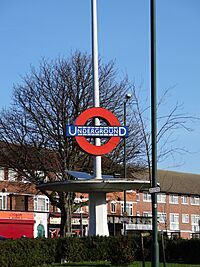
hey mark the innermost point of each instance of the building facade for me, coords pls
(25, 212)
(178, 206)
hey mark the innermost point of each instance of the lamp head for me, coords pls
(128, 96)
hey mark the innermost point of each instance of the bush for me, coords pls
(27, 252)
(71, 249)
(183, 250)
(96, 248)
(120, 250)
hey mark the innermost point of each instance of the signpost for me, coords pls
(153, 190)
(96, 186)
(80, 131)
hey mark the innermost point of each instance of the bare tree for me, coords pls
(33, 129)
(168, 125)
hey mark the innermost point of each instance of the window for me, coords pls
(184, 200)
(24, 176)
(174, 221)
(1, 174)
(146, 197)
(195, 219)
(185, 218)
(162, 217)
(12, 175)
(161, 198)
(113, 207)
(129, 208)
(173, 199)
(41, 203)
(39, 174)
(194, 200)
(79, 209)
(147, 214)
(137, 196)
(3, 201)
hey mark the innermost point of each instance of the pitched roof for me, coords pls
(177, 182)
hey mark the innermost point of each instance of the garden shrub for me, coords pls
(71, 249)
(96, 248)
(183, 250)
(27, 252)
(120, 250)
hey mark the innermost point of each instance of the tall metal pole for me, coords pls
(97, 200)
(127, 97)
(155, 247)
(97, 159)
(125, 172)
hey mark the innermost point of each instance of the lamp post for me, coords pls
(155, 246)
(127, 97)
(81, 217)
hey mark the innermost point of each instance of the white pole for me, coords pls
(97, 200)
(97, 159)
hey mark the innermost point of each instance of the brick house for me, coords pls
(23, 208)
(178, 206)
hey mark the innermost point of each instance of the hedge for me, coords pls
(119, 250)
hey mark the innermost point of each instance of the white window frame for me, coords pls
(3, 201)
(113, 207)
(162, 217)
(185, 218)
(173, 199)
(184, 200)
(174, 221)
(38, 206)
(147, 214)
(194, 200)
(24, 179)
(79, 210)
(146, 197)
(195, 219)
(78, 200)
(129, 208)
(161, 198)
(137, 196)
(2, 177)
(12, 175)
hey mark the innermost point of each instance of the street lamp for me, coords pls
(81, 217)
(127, 97)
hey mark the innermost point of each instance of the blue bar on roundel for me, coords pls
(96, 131)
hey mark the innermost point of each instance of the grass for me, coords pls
(107, 264)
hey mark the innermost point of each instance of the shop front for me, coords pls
(16, 224)
(79, 225)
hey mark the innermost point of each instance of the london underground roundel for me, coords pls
(80, 131)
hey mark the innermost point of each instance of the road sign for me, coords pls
(154, 189)
(114, 130)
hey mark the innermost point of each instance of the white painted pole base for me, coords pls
(98, 214)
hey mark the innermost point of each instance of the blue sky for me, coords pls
(32, 29)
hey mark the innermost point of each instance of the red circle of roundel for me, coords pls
(107, 116)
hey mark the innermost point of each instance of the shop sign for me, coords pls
(54, 220)
(16, 215)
